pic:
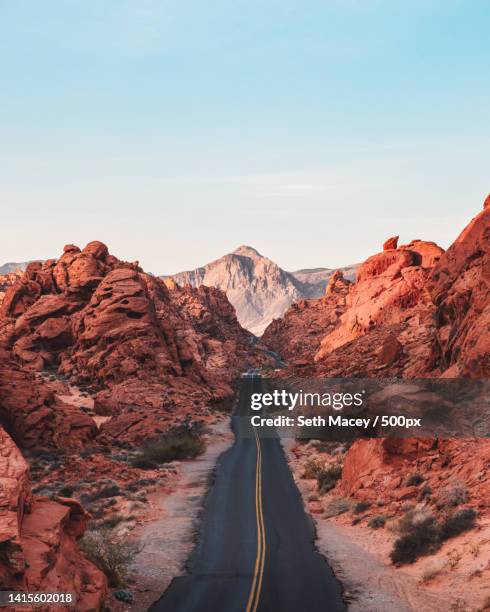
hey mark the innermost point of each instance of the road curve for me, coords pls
(255, 551)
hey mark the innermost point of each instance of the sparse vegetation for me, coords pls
(459, 522)
(377, 521)
(414, 480)
(65, 491)
(433, 569)
(312, 468)
(361, 507)
(422, 535)
(452, 495)
(110, 553)
(169, 448)
(113, 521)
(327, 479)
(336, 506)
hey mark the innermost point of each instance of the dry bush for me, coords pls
(452, 495)
(377, 521)
(169, 448)
(433, 569)
(336, 506)
(312, 468)
(327, 479)
(422, 535)
(110, 553)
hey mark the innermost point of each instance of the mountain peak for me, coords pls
(246, 251)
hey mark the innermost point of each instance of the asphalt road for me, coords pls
(255, 551)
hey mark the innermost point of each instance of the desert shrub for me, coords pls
(312, 468)
(169, 448)
(327, 479)
(113, 520)
(124, 595)
(361, 507)
(414, 480)
(377, 521)
(422, 535)
(452, 495)
(459, 522)
(432, 569)
(422, 538)
(336, 506)
(111, 490)
(425, 493)
(65, 491)
(110, 553)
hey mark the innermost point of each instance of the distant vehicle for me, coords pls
(254, 373)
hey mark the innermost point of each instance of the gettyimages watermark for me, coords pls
(346, 408)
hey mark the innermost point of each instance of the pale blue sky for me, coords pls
(176, 130)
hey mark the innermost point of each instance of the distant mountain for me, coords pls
(257, 287)
(12, 266)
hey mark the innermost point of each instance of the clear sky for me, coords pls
(175, 130)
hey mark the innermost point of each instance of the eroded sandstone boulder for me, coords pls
(38, 550)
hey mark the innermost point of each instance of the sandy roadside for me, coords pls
(169, 528)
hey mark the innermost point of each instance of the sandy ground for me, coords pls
(360, 558)
(170, 526)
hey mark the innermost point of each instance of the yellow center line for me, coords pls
(254, 596)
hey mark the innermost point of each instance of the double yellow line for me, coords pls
(254, 597)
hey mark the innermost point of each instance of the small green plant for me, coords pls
(110, 553)
(327, 479)
(169, 448)
(377, 521)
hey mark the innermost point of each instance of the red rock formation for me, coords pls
(460, 289)
(34, 416)
(297, 335)
(7, 280)
(38, 538)
(391, 243)
(105, 323)
(379, 469)
(413, 311)
(389, 289)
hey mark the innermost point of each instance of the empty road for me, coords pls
(255, 551)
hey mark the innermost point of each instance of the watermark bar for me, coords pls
(21, 599)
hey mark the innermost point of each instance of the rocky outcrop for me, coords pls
(297, 335)
(38, 550)
(389, 288)
(35, 416)
(141, 347)
(380, 470)
(258, 288)
(7, 280)
(459, 286)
